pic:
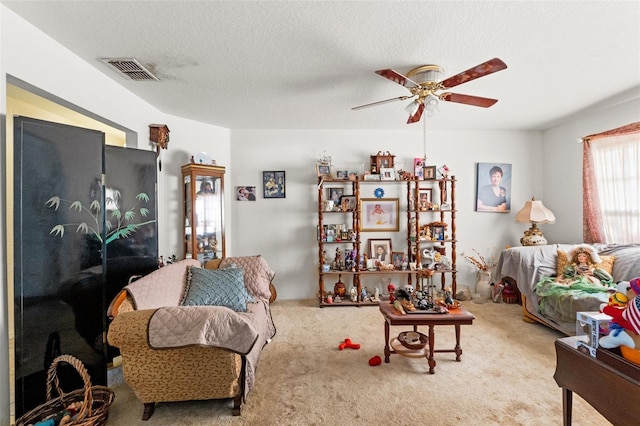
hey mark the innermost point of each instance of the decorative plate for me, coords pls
(201, 158)
(379, 193)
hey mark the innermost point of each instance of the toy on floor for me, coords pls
(375, 361)
(348, 344)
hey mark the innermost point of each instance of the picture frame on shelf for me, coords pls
(334, 194)
(323, 170)
(380, 214)
(348, 203)
(397, 258)
(437, 233)
(342, 174)
(371, 177)
(425, 199)
(430, 172)
(380, 250)
(387, 173)
(273, 184)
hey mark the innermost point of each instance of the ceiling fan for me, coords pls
(424, 82)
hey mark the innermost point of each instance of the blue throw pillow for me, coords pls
(216, 287)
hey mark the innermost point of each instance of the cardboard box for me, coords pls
(591, 325)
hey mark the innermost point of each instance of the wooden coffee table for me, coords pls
(455, 317)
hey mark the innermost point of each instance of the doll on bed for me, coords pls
(583, 266)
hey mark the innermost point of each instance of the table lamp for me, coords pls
(535, 212)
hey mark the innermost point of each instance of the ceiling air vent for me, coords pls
(132, 69)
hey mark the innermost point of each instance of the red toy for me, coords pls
(349, 344)
(374, 361)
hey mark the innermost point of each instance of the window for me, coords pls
(611, 184)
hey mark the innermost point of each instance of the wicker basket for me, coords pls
(95, 400)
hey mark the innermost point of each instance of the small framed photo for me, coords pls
(387, 173)
(397, 258)
(437, 233)
(348, 203)
(380, 250)
(246, 193)
(371, 177)
(323, 170)
(273, 184)
(334, 195)
(342, 174)
(430, 172)
(425, 199)
(379, 214)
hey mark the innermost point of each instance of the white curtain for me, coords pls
(616, 164)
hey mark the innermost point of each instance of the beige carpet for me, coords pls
(505, 376)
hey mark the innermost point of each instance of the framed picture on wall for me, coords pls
(380, 214)
(493, 187)
(273, 184)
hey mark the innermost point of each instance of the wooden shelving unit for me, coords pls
(417, 220)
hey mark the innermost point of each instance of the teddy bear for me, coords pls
(624, 309)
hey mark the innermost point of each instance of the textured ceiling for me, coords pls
(304, 64)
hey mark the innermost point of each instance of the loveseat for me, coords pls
(183, 333)
(526, 266)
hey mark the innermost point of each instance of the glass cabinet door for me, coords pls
(204, 211)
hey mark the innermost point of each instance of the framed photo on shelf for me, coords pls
(437, 233)
(425, 199)
(397, 258)
(387, 173)
(334, 195)
(348, 203)
(380, 214)
(323, 170)
(273, 184)
(342, 174)
(380, 250)
(430, 172)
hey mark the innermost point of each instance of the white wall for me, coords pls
(284, 230)
(561, 172)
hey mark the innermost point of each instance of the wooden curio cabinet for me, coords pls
(203, 211)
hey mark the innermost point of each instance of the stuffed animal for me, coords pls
(625, 323)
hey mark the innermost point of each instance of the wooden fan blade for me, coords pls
(415, 117)
(468, 99)
(478, 71)
(396, 77)
(400, 98)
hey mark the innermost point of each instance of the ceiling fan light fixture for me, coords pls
(412, 107)
(432, 104)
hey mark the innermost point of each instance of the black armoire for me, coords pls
(84, 222)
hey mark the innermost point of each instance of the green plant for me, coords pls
(125, 222)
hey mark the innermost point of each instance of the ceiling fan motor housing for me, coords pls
(426, 74)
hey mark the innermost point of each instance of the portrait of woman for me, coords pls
(494, 185)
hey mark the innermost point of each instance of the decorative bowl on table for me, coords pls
(413, 340)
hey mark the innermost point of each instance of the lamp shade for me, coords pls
(535, 211)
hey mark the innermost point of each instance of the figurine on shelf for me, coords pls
(353, 294)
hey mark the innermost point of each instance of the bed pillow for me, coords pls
(563, 260)
(219, 287)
